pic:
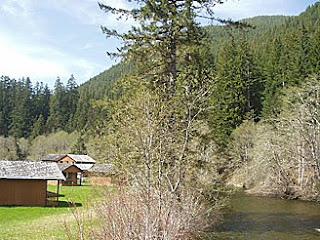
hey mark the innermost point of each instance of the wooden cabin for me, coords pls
(71, 173)
(24, 183)
(69, 158)
(73, 166)
(76, 168)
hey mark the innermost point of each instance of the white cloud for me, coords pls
(16, 8)
(239, 9)
(43, 63)
(87, 46)
(88, 11)
(29, 50)
(88, 69)
(17, 63)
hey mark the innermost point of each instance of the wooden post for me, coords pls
(46, 201)
(58, 191)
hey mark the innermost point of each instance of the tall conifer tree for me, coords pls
(234, 97)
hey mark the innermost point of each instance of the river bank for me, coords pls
(261, 184)
(256, 217)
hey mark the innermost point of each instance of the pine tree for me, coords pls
(81, 116)
(79, 147)
(71, 101)
(168, 32)
(233, 98)
(38, 127)
(56, 119)
(304, 53)
(315, 51)
(162, 101)
(21, 115)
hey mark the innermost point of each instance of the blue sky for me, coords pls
(44, 39)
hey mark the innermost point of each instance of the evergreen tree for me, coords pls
(56, 119)
(46, 95)
(233, 98)
(79, 147)
(38, 127)
(21, 115)
(315, 51)
(81, 116)
(166, 49)
(41, 101)
(71, 101)
(271, 104)
(304, 64)
(7, 103)
(168, 33)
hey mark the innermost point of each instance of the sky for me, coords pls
(46, 39)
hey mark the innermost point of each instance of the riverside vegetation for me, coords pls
(208, 106)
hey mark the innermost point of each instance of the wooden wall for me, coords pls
(71, 176)
(72, 169)
(66, 159)
(101, 180)
(23, 192)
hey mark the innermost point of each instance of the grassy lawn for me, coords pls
(43, 222)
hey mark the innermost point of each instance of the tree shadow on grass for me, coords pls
(61, 204)
(68, 204)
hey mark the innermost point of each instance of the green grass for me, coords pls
(43, 222)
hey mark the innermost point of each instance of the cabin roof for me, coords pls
(101, 168)
(54, 157)
(77, 158)
(84, 167)
(30, 170)
(64, 166)
(81, 158)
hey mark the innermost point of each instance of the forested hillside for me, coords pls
(189, 111)
(257, 76)
(257, 64)
(30, 110)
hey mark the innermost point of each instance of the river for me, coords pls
(255, 218)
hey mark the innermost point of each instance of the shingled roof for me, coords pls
(64, 166)
(30, 170)
(54, 157)
(81, 158)
(101, 168)
(76, 158)
(84, 167)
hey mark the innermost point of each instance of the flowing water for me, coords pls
(251, 217)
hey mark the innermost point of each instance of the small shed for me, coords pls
(71, 173)
(101, 169)
(85, 168)
(102, 174)
(24, 183)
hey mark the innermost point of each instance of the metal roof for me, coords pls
(30, 170)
